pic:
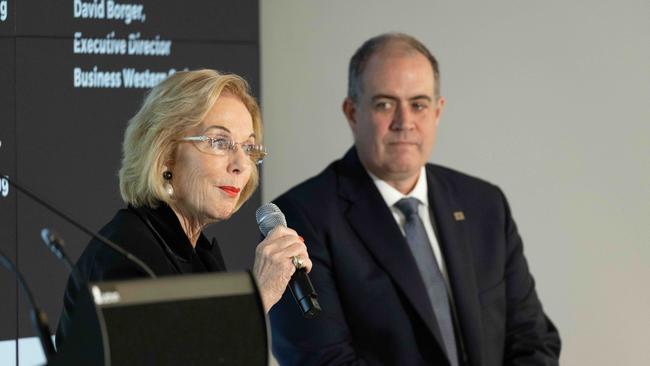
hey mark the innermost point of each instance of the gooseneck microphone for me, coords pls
(39, 319)
(55, 244)
(135, 260)
(268, 217)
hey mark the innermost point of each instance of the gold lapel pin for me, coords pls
(459, 216)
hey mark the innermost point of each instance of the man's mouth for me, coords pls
(230, 190)
(403, 143)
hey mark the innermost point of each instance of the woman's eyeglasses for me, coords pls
(221, 146)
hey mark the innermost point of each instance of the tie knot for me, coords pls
(408, 206)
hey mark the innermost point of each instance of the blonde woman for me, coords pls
(190, 159)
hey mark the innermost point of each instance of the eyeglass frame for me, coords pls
(231, 146)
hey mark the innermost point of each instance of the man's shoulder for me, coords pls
(462, 185)
(317, 197)
(452, 175)
(322, 183)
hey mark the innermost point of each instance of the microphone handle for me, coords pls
(304, 293)
(269, 216)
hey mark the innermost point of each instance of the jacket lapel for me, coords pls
(373, 222)
(456, 249)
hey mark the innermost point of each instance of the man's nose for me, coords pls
(402, 119)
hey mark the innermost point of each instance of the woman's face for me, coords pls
(206, 185)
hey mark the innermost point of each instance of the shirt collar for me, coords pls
(392, 195)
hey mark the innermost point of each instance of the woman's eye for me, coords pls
(221, 143)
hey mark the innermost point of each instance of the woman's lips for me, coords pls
(230, 190)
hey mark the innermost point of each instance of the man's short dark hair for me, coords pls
(360, 59)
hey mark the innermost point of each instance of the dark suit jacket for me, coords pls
(375, 306)
(163, 247)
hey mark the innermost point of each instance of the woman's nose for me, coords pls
(238, 160)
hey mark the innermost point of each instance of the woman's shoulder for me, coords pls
(126, 230)
(126, 226)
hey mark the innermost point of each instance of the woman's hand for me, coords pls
(273, 265)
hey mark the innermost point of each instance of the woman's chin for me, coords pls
(221, 214)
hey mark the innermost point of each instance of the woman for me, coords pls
(190, 158)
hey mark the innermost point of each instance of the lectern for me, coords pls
(204, 319)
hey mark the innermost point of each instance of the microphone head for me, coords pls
(45, 235)
(269, 216)
(53, 242)
(50, 237)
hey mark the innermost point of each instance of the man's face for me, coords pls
(395, 118)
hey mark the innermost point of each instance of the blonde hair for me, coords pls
(176, 105)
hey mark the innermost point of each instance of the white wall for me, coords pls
(30, 352)
(550, 100)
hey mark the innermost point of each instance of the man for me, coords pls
(414, 264)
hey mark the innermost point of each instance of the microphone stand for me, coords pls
(39, 319)
(74, 223)
(54, 243)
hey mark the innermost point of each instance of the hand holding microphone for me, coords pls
(281, 259)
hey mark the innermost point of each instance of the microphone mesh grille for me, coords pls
(269, 216)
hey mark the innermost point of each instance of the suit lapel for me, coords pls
(373, 222)
(455, 246)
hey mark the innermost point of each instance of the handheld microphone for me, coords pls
(87, 231)
(39, 319)
(268, 217)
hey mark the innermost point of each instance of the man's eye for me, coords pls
(419, 106)
(382, 106)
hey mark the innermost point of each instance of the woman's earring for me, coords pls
(167, 176)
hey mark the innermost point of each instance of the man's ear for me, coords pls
(350, 111)
(440, 106)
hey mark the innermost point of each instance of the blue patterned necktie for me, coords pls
(431, 274)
